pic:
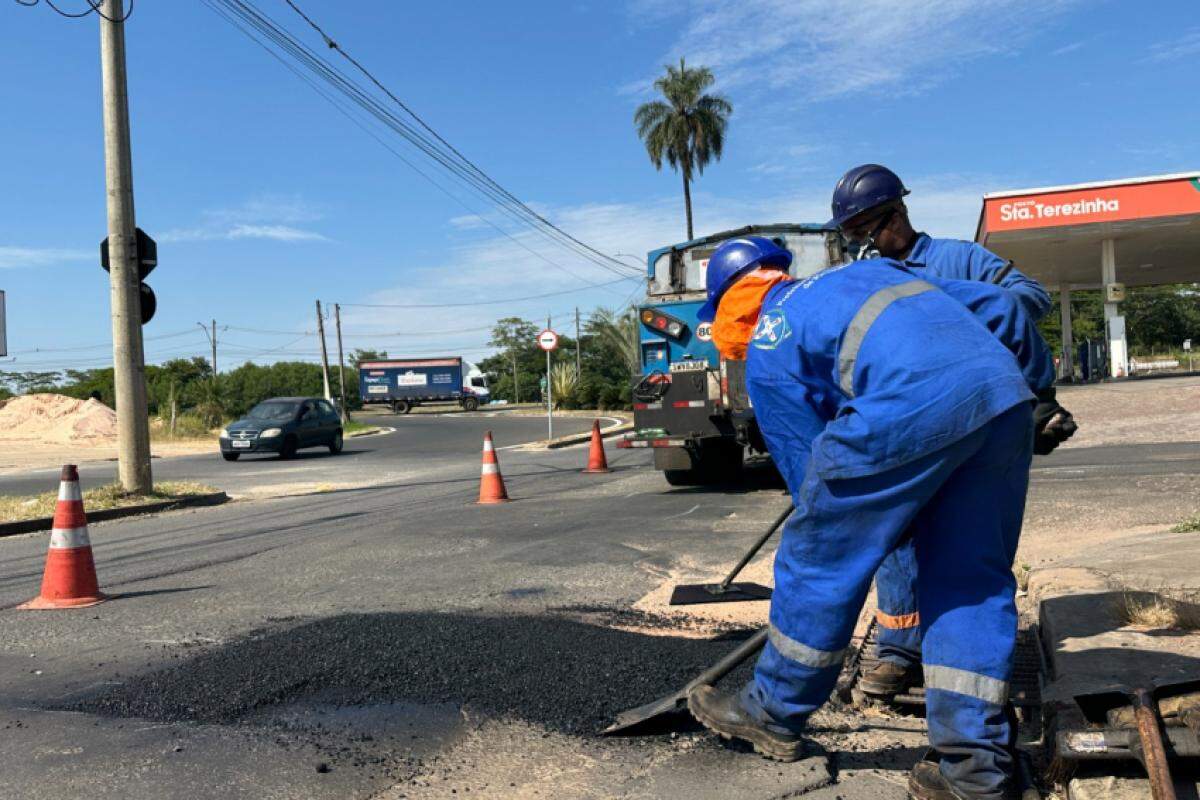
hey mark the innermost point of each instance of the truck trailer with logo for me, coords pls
(689, 404)
(403, 384)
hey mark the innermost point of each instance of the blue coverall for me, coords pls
(890, 405)
(899, 637)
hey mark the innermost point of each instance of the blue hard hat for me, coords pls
(732, 260)
(862, 189)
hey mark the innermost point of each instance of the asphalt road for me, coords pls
(420, 440)
(396, 640)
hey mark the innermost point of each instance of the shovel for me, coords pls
(674, 703)
(1109, 703)
(727, 591)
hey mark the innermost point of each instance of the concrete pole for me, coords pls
(1114, 323)
(578, 357)
(1067, 366)
(129, 378)
(324, 354)
(214, 349)
(337, 318)
(549, 393)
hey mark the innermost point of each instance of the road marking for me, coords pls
(684, 514)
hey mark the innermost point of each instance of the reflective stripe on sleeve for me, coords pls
(792, 650)
(864, 318)
(897, 622)
(961, 681)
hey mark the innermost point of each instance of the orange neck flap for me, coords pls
(737, 315)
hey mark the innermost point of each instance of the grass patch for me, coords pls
(352, 428)
(188, 426)
(19, 507)
(1154, 611)
(1189, 525)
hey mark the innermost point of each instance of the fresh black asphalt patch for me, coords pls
(554, 671)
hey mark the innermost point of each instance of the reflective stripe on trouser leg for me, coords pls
(827, 557)
(966, 589)
(898, 635)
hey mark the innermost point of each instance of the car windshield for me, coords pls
(273, 412)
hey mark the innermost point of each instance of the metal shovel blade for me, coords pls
(688, 594)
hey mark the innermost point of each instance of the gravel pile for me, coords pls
(565, 675)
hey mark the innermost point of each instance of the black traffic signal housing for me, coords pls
(147, 260)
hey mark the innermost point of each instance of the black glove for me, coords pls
(1052, 424)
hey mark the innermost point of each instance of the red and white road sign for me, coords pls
(548, 340)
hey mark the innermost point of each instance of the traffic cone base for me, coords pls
(597, 461)
(70, 577)
(491, 482)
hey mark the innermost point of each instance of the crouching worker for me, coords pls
(889, 406)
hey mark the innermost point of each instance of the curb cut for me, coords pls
(104, 515)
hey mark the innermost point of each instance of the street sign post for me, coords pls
(1187, 343)
(548, 341)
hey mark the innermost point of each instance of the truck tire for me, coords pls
(470, 404)
(715, 463)
(401, 406)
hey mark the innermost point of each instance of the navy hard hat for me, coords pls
(863, 188)
(732, 260)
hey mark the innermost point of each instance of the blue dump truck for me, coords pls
(689, 404)
(404, 384)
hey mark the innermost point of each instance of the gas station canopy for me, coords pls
(1112, 234)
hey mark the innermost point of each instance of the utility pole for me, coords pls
(337, 318)
(212, 340)
(324, 354)
(549, 393)
(578, 361)
(516, 386)
(129, 378)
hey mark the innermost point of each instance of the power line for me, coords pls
(478, 302)
(93, 8)
(437, 150)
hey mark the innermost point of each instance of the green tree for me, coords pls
(618, 330)
(359, 355)
(519, 359)
(688, 130)
(32, 382)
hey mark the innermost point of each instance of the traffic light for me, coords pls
(147, 260)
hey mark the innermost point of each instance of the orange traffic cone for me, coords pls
(70, 577)
(491, 482)
(597, 461)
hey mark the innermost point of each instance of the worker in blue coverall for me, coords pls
(869, 209)
(890, 404)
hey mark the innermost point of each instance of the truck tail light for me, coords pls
(663, 323)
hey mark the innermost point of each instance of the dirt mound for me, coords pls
(57, 419)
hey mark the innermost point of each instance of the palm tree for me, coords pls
(618, 330)
(689, 129)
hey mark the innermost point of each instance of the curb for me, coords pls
(579, 438)
(379, 431)
(104, 515)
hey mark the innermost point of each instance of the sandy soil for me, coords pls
(1161, 410)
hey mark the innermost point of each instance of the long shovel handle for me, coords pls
(729, 662)
(753, 551)
(1154, 754)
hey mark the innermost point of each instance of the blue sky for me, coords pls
(264, 198)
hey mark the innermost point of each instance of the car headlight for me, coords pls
(270, 432)
(224, 434)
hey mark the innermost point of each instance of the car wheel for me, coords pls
(288, 450)
(230, 456)
(471, 404)
(335, 446)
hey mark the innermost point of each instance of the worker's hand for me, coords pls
(1052, 424)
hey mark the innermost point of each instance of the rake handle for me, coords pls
(1154, 755)
(753, 551)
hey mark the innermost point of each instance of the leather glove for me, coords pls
(1052, 424)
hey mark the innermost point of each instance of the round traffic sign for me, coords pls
(704, 331)
(547, 340)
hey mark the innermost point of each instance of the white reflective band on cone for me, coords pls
(864, 318)
(69, 538)
(802, 653)
(488, 447)
(961, 681)
(69, 490)
(490, 469)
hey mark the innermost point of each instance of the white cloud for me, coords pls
(824, 49)
(1184, 47)
(1067, 48)
(270, 217)
(18, 257)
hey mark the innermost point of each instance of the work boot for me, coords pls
(926, 782)
(723, 714)
(887, 678)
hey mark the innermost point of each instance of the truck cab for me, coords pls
(689, 404)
